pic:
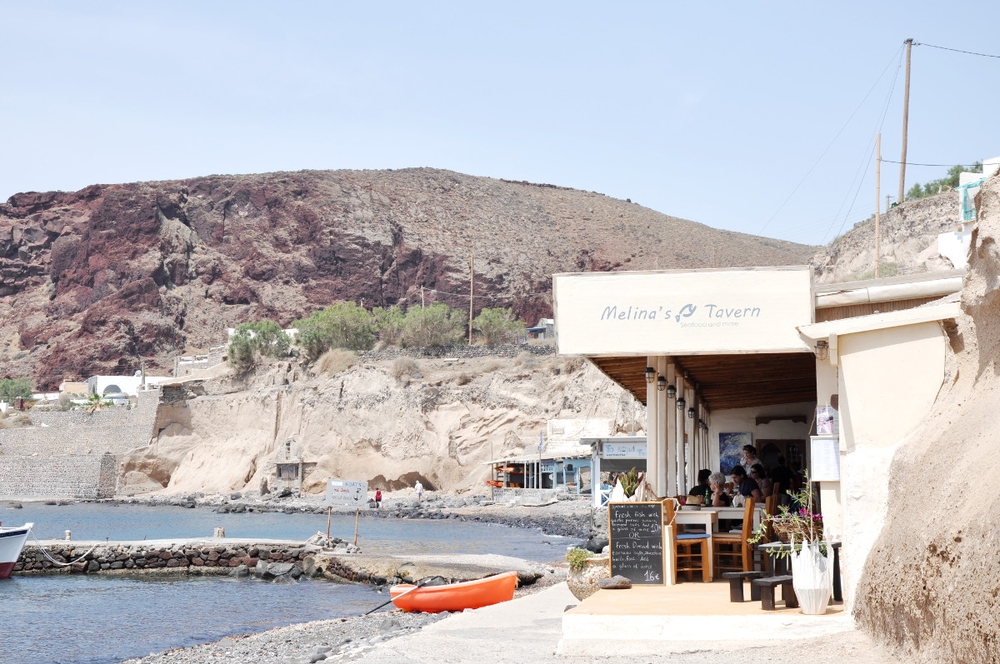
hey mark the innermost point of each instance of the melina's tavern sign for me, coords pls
(683, 311)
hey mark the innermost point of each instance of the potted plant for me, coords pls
(585, 572)
(802, 529)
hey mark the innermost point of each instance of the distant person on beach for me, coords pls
(378, 498)
(419, 488)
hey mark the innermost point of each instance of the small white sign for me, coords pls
(825, 459)
(623, 451)
(345, 493)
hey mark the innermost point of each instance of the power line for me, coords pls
(820, 158)
(911, 163)
(956, 50)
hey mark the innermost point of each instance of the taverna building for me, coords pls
(724, 357)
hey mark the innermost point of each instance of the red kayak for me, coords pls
(455, 596)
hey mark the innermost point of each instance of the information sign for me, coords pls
(636, 541)
(345, 493)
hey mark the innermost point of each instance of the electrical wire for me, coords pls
(911, 163)
(896, 56)
(956, 50)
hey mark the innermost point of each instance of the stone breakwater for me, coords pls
(264, 560)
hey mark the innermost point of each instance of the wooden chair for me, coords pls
(689, 551)
(770, 509)
(731, 550)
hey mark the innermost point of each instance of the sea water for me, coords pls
(100, 619)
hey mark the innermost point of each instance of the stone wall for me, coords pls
(462, 351)
(63, 476)
(197, 557)
(73, 454)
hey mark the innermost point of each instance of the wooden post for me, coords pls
(421, 297)
(329, 515)
(878, 200)
(906, 115)
(357, 517)
(472, 286)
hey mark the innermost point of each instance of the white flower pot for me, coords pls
(811, 578)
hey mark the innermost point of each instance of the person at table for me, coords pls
(744, 486)
(759, 475)
(702, 488)
(717, 485)
(750, 458)
(782, 475)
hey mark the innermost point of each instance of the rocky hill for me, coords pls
(95, 280)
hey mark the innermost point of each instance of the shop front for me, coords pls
(764, 357)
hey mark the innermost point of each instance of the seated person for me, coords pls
(702, 488)
(759, 475)
(719, 497)
(744, 486)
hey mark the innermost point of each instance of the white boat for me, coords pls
(11, 542)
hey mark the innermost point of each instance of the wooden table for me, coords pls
(734, 514)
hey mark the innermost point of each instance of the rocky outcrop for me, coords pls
(930, 582)
(95, 280)
(908, 243)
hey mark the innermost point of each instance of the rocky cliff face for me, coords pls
(96, 280)
(440, 425)
(909, 234)
(930, 585)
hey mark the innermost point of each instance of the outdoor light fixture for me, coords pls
(671, 391)
(691, 413)
(681, 403)
(650, 374)
(661, 384)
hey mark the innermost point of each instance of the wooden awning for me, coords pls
(728, 381)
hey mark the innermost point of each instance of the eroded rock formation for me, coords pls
(931, 585)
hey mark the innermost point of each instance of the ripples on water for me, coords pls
(78, 619)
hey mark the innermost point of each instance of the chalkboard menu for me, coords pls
(636, 541)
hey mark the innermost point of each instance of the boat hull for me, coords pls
(11, 542)
(456, 596)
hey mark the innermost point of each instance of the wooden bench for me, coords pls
(736, 580)
(767, 585)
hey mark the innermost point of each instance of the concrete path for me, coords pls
(529, 629)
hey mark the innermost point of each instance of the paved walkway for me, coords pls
(529, 629)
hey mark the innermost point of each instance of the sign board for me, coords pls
(824, 459)
(623, 450)
(635, 534)
(344, 493)
(675, 312)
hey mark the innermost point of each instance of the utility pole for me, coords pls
(421, 297)
(472, 285)
(906, 116)
(878, 199)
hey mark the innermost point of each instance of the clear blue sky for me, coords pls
(714, 112)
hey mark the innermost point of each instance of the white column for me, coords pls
(652, 431)
(663, 446)
(670, 428)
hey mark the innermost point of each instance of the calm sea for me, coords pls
(77, 619)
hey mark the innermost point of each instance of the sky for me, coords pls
(753, 117)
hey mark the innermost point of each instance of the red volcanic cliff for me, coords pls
(95, 280)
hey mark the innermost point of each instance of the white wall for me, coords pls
(888, 381)
(744, 419)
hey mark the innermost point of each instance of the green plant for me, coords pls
(497, 326)
(577, 558)
(944, 184)
(798, 521)
(389, 324)
(342, 325)
(434, 325)
(14, 387)
(253, 340)
(630, 482)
